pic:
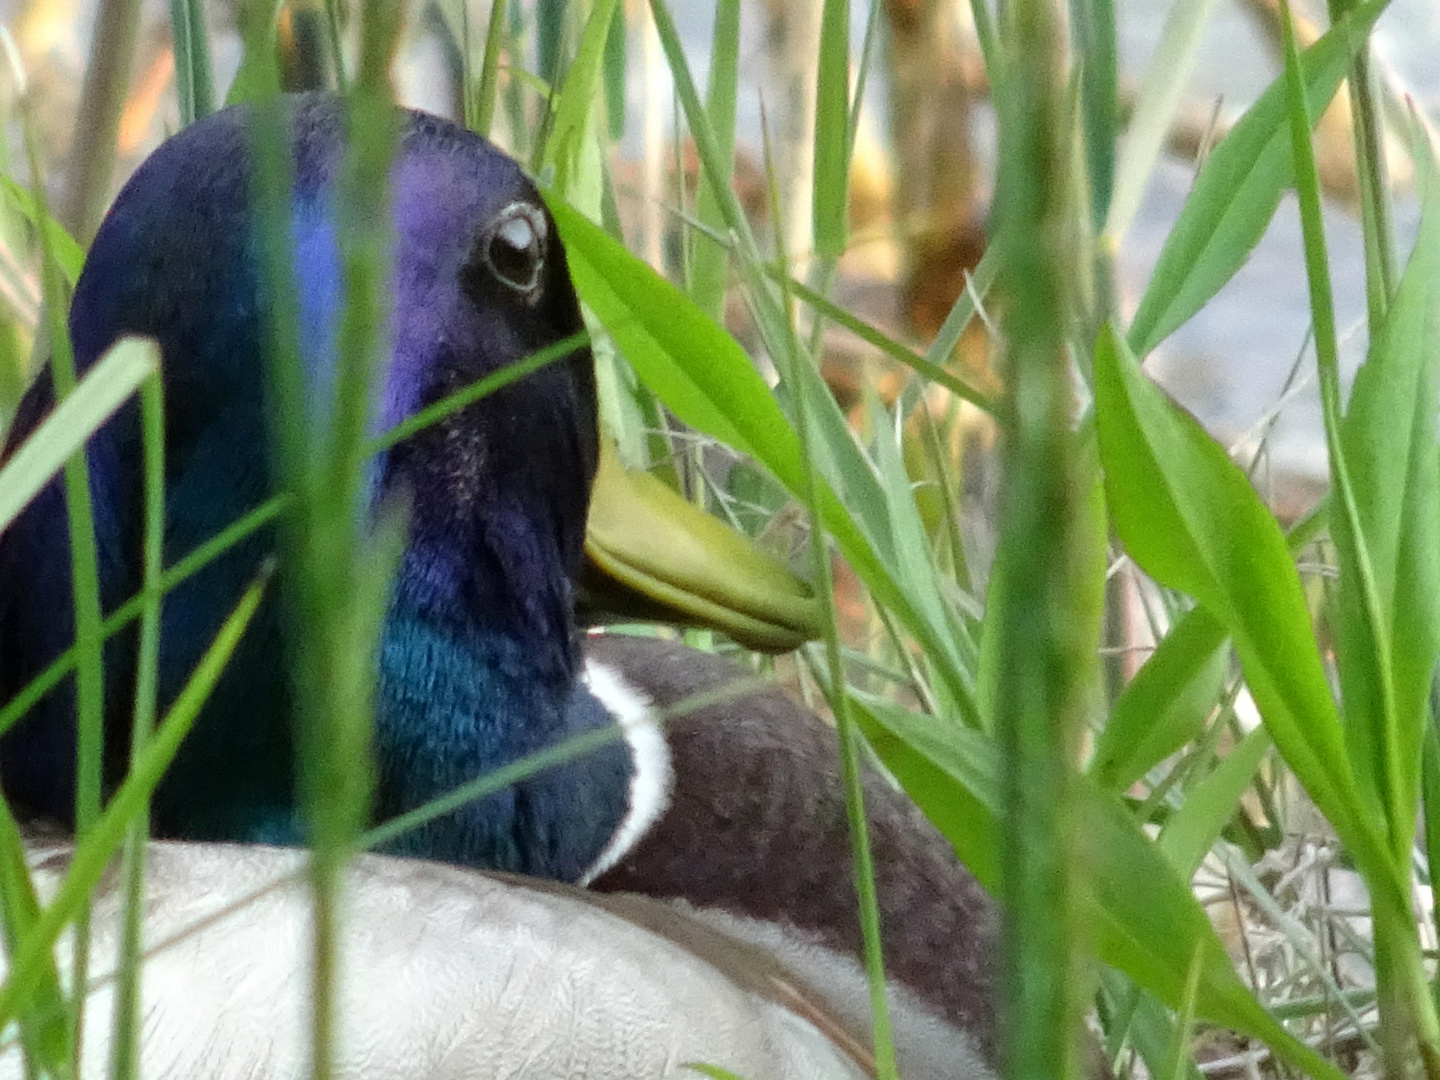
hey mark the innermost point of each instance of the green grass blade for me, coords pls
(1388, 440)
(93, 145)
(1237, 191)
(832, 133)
(927, 367)
(482, 118)
(1129, 1013)
(69, 256)
(93, 853)
(1160, 93)
(703, 375)
(105, 387)
(125, 1043)
(193, 81)
(710, 261)
(575, 99)
(1191, 520)
(1164, 706)
(44, 1033)
(1151, 934)
(1192, 830)
(1093, 27)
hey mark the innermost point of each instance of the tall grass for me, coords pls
(1087, 813)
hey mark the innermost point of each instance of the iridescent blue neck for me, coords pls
(470, 682)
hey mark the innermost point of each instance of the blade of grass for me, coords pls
(830, 203)
(1093, 26)
(125, 1041)
(1385, 744)
(1043, 612)
(1192, 831)
(68, 255)
(1164, 706)
(1152, 934)
(97, 123)
(1237, 191)
(924, 366)
(709, 265)
(576, 97)
(193, 82)
(1375, 215)
(846, 731)
(1387, 440)
(1191, 520)
(44, 1026)
(85, 592)
(106, 386)
(481, 117)
(93, 854)
(1165, 81)
(703, 375)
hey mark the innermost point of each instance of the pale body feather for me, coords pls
(444, 973)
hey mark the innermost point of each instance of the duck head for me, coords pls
(479, 655)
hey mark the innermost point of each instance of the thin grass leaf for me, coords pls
(1394, 491)
(93, 854)
(1193, 829)
(1165, 705)
(83, 554)
(1388, 440)
(105, 387)
(710, 260)
(924, 366)
(830, 203)
(1129, 1013)
(1151, 934)
(125, 1042)
(44, 1032)
(1093, 26)
(1237, 191)
(193, 82)
(848, 737)
(705, 378)
(93, 143)
(1179, 1054)
(128, 612)
(575, 99)
(1156, 104)
(481, 115)
(1189, 517)
(69, 256)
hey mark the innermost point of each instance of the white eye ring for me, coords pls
(514, 248)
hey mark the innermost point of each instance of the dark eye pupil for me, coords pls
(514, 253)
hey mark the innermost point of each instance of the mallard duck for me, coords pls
(713, 846)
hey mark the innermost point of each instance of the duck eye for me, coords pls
(515, 249)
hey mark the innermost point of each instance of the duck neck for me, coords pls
(479, 664)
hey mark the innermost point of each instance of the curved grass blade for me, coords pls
(1191, 520)
(702, 374)
(1153, 934)
(105, 387)
(93, 854)
(1164, 706)
(576, 97)
(1388, 440)
(44, 1033)
(66, 252)
(1238, 189)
